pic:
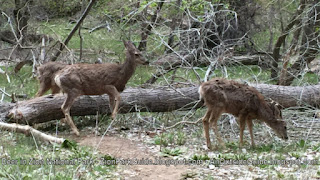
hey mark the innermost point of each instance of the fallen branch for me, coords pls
(183, 122)
(27, 130)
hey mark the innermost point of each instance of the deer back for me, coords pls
(89, 79)
(242, 100)
(231, 96)
(47, 71)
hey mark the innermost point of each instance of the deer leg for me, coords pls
(214, 124)
(205, 121)
(111, 102)
(66, 106)
(42, 89)
(117, 100)
(114, 98)
(55, 89)
(249, 124)
(242, 127)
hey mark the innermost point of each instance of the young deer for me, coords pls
(46, 73)
(97, 79)
(245, 102)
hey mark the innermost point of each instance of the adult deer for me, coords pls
(243, 101)
(97, 79)
(46, 74)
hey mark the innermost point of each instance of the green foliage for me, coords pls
(232, 145)
(280, 175)
(25, 158)
(306, 79)
(200, 157)
(301, 143)
(99, 40)
(172, 138)
(20, 83)
(181, 138)
(161, 140)
(297, 155)
(316, 148)
(171, 152)
(264, 148)
(69, 144)
(58, 9)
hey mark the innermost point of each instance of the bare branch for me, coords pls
(62, 45)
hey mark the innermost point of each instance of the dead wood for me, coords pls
(46, 108)
(27, 130)
(172, 61)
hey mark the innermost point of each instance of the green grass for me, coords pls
(25, 158)
(99, 40)
(171, 152)
(171, 138)
(20, 83)
(245, 73)
(306, 79)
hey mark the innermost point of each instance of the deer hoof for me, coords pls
(75, 132)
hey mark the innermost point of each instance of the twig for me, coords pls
(81, 43)
(34, 71)
(5, 93)
(183, 122)
(42, 51)
(106, 25)
(104, 134)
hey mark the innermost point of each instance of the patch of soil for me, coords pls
(126, 149)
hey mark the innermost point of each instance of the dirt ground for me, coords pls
(123, 148)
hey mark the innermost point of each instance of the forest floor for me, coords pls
(126, 149)
(293, 159)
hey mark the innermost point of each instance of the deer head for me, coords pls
(138, 57)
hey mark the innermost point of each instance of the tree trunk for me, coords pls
(21, 16)
(176, 19)
(47, 108)
(146, 31)
(276, 51)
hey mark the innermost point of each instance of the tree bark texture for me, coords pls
(47, 108)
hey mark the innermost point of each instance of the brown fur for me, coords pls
(46, 73)
(97, 79)
(243, 101)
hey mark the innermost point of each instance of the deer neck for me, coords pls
(128, 68)
(266, 114)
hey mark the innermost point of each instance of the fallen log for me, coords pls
(46, 108)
